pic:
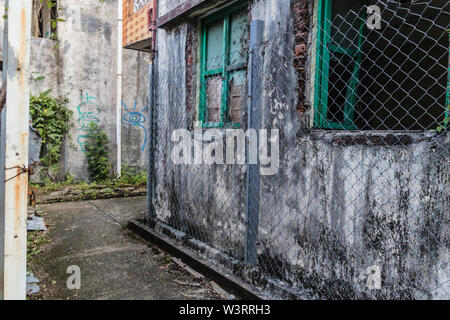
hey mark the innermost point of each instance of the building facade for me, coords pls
(77, 55)
(347, 196)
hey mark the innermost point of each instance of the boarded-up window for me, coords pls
(224, 67)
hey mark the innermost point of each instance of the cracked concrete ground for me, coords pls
(114, 263)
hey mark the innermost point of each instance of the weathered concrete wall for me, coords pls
(88, 44)
(166, 6)
(341, 207)
(348, 209)
(83, 67)
(179, 185)
(135, 108)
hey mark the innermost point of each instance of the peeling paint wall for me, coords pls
(83, 67)
(334, 213)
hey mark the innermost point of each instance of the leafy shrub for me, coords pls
(97, 154)
(132, 176)
(50, 118)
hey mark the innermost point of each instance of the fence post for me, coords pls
(14, 154)
(254, 123)
(151, 106)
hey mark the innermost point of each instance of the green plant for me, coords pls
(48, 186)
(132, 176)
(35, 241)
(50, 118)
(54, 19)
(444, 124)
(97, 154)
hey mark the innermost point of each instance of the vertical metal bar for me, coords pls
(151, 132)
(2, 147)
(447, 99)
(254, 123)
(14, 153)
(119, 88)
(224, 100)
(203, 117)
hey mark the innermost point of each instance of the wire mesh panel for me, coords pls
(351, 143)
(194, 191)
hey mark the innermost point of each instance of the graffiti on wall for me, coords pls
(136, 118)
(88, 112)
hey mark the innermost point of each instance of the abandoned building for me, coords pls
(358, 91)
(74, 50)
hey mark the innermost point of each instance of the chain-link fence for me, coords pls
(318, 164)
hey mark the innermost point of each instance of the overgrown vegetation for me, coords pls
(132, 183)
(50, 116)
(54, 19)
(97, 154)
(132, 176)
(35, 240)
(444, 125)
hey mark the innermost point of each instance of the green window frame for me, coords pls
(447, 97)
(221, 70)
(325, 49)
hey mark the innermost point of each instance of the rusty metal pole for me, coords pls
(14, 154)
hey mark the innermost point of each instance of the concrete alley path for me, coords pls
(114, 263)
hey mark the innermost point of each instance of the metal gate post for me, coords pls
(254, 123)
(151, 143)
(14, 153)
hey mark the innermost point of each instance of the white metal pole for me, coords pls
(14, 153)
(2, 147)
(119, 86)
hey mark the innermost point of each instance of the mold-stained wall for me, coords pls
(335, 210)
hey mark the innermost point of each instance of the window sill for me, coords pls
(372, 137)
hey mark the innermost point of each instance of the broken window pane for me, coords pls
(214, 45)
(237, 95)
(238, 38)
(214, 98)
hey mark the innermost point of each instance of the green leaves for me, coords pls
(132, 176)
(444, 125)
(97, 154)
(50, 118)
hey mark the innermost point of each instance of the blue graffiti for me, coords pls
(133, 117)
(88, 112)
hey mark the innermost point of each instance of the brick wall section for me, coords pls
(191, 72)
(302, 20)
(135, 24)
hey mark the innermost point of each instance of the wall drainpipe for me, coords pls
(152, 16)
